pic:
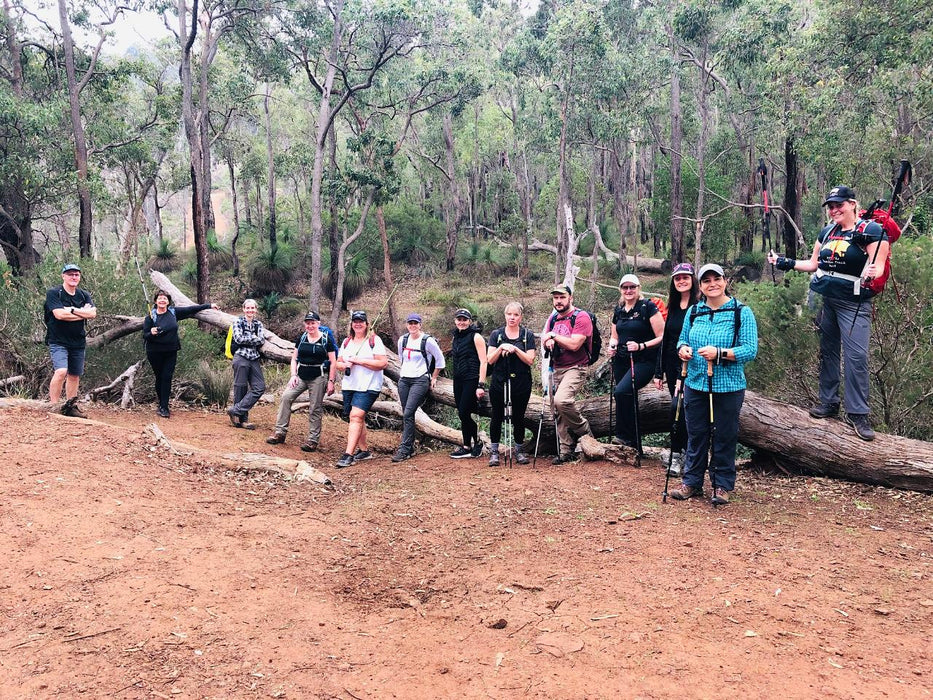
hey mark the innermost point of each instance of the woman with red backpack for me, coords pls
(846, 254)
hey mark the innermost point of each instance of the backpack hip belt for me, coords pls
(856, 281)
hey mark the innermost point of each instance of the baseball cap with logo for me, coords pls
(840, 193)
(70, 267)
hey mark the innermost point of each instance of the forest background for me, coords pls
(447, 153)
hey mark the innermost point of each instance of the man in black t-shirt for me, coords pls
(66, 310)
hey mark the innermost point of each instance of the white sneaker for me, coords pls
(677, 464)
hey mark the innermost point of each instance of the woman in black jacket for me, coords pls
(684, 293)
(160, 334)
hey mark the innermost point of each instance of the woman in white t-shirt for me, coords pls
(361, 359)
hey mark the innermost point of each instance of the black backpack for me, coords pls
(596, 341)
(736, 323)
(429, 359)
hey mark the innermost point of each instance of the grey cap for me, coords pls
(70, 267)
(358, 316)
(710, 267)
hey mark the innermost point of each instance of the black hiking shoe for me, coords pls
(461, 452)
(401, 454)
(564, 458)
(520, 455)
(361, 455)
(825, 410)
(859, 421)
(477, 449)
(346, 460)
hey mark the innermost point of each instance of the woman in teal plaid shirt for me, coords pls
(722, 334)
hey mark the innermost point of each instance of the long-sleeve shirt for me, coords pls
(167, 339)
(250, 336)
(705, 326)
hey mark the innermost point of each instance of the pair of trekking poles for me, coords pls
(679, 397)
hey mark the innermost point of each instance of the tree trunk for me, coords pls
(676, 152)
(792, 197)
(703, 106)
(77, 127)
(341, 259)
(453, 206)
(563, 192)
(333, 232)
(387, 272)
(236, 213)
(195, 148)
(270, 163)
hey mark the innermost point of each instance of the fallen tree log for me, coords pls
(783, 432)
(645, 264)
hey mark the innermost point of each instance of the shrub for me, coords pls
(215, 385)
(272, 270)
(165, 259)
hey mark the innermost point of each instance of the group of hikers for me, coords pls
(697, 351)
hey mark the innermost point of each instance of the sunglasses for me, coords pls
(628, 287)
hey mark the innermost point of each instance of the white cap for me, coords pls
(630, 279)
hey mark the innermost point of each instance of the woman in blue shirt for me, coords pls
(719, 336)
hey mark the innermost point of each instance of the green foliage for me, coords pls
(215, 385)
(165, 258)
(272, 269)
(414, 236)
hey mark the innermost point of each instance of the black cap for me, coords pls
(463, 313)
(311, 316)
(840, 193)
(358, 316)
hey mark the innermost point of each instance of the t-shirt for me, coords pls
(635, 325)
(414, 364)
(362, 378)
(70, 334)
(838, 254)
(510, 364)
(581, 326)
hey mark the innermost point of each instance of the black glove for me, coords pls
(785, 264)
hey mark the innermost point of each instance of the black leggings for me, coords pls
(521, 393)
(679, 436)
(465, 399)
(163, 367)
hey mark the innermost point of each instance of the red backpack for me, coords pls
(893, 231)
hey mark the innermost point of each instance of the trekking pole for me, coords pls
(534, 461)
(679, 398)
(712, 428)
(631, 364)
(507, 430)
(612, 391)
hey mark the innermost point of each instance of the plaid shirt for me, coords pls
(249, 336)
(718, 329)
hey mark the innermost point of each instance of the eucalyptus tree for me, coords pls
(341, 46)
(35, 159)
(211, 22)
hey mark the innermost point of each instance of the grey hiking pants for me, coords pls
(835, 326)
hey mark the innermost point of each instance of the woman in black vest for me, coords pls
(160, 335)
(313, 368)
(469, 360)
(637, 330)
(511, 354)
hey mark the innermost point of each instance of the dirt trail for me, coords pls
(134, 574)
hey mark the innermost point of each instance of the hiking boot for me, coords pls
(493, 459)
(677, 464)
(684, 492)
(346, 460)
(720, 497)
(70, 408)
(277, 438)
(163, 413)
(520, 455)
(477, 449)
(461, 452)
(825, 410)
(859, 421)
(564, 458)
(361, 455)
(307, 446)
(236, 420)
(246, 425)
(401, 454)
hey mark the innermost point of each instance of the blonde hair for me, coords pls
(514, 305)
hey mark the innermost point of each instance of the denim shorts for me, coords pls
(72, 358)
(362, 400)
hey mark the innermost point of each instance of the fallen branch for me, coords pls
(128, 379)
(12, 380)
(291, 469)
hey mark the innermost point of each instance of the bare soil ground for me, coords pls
(131, 573)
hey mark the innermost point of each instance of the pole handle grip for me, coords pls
(709, 368)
